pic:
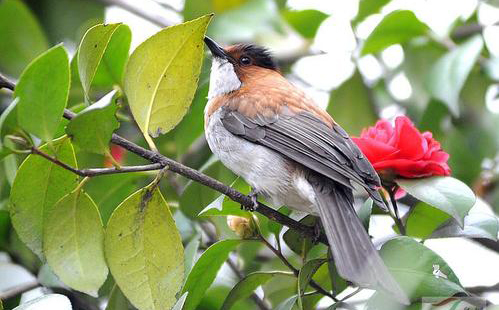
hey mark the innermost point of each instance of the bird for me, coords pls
(291, 152)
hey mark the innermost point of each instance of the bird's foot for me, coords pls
(254, 199)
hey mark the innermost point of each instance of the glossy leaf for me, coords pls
(368, 7)
(305, 22)
(22, 37)
(41, 104)
(413, 266)
(179, 305)
(162, 75)
(38, 185)
(347, 100)
(445, 193)
(191, 253)
(92, 128)
(397, 27)
(476, 225)
(449, 73)
(117, 301)
(288, 304)
(144, 250)
(423, 219)
(244, 288)
(297, 242)
(8, 122)
(205, 270)
(305, 275)
(49, 301)
(73, 242)
(223, 205)
(100, 48)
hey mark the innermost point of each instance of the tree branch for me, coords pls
(172, 165)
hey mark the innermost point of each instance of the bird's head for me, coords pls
(234, 65)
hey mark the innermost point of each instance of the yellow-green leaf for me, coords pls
(93, 47)
(73, 242)
(38, 185)
(43, 90)
(162, 74)
(144, 250)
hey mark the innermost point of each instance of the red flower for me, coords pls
(403, 150)
(118, 153)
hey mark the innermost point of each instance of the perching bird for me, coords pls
(292, 152)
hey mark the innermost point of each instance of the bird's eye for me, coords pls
(245, 60)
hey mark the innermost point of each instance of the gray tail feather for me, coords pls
(356, 258)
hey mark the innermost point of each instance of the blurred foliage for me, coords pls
(451, 78)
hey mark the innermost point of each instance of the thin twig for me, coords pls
(398, 221)
(95, 171)
(295, 271)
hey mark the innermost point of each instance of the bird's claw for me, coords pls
(254, 199)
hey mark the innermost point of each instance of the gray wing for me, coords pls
(307, 140)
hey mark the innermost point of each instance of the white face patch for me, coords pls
(223, 79)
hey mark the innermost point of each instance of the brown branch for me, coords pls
(95, 171)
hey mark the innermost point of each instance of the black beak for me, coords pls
(216, 50)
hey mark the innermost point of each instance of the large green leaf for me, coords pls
(144, 250)
(347, 100)
(8, 122)
(305, 275)
(413, 266)
(43, 93)
(105, 46)
(38, 185)
(449, 73)
(396, 27)
(476, 225)
(92, 128)
(162, 75)
(305, 22)
(423, 219)
(368, 7)
(244, 288)
(445, 193)
(205, 270)
(22, 38)
(73, 242)
(117, 301)
(296, 241)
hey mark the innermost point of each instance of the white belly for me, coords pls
(270, 174)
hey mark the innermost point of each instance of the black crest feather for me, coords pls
(261, 56)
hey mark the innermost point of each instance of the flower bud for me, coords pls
(243, 227)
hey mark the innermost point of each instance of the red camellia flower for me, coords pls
(118, 153)
(402, 150)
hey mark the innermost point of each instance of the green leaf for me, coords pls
(445, 193)
(22, 37)
(205, 270)
(305, 22)
(338, 284)
(73, 242)
(117, 301)
(223, 205)
(43, 93)
(287, 304)
(449, 73)
(413, 265)
(305, 275)
(396, 28)
(244, 288)
(423, 220)
(144, 250)
(191, 253)
(476, 225)
(98, 49)
(296, 241)
(162, 75)
(195, 8)
(364, 213)
(8, 121)
(179, 305)
(92, 128)
(38, 185)
(347, 100)
(368, 7)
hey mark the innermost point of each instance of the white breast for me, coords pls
(223, 79)
(265, 170)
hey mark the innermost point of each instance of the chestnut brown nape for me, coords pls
(260, 56)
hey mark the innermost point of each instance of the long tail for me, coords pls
(355, 256)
